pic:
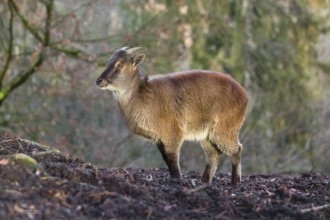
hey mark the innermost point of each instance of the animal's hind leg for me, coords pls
(212, 156)
(236, 164)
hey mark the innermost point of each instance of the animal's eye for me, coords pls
(120, 66)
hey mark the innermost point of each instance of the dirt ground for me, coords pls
(38, 182)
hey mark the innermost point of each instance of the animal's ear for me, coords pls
(138, 59)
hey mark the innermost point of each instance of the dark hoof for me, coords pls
(175, 180)
(176, 176)
(235, 181)
(205, 179)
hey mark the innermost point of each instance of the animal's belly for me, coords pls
(197, 130)
(196, 135)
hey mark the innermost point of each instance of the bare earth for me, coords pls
(57, 187)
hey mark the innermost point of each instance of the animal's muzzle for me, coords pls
(101, 82)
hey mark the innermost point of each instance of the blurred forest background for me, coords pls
(52, 51)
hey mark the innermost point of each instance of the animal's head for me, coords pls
(120, 70)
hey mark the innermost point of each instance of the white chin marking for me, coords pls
(108, 87)
(103, 88)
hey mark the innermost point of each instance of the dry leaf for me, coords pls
(4, 161)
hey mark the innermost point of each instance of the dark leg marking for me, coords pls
(206, 174)
(171, 159)
(235, 178)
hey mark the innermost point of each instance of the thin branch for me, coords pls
(26, 22)
(64, 17)
(145, 25)
(21, 78)
(294, 156)
(80, 54)
(95, 40)
(315, 209)
(67, 50)
(199, 188)
(10, 45)
(25, 75)
(49, 10)
(122, 141)
(44, 2)
(116, 147)
(24, 53)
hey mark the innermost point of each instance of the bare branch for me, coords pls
(25, 75)
(315, 209)
(64, 17)
(21, 78)
(199, 188)
(99, 39)
(75, 53)
(26, 22)
(10, 45)
(49, 10)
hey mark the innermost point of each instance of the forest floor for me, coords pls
(38, 182)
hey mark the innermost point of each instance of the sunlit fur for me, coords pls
(199, 105)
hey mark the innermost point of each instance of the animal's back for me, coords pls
(201, 90)
(198, 99)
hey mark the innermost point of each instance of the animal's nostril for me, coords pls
(98, 80)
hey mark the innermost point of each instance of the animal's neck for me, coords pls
(132, 105)
(126, 97)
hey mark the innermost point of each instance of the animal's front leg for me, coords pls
(171, 157)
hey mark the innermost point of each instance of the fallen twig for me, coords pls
(314, 209)
(199, 188)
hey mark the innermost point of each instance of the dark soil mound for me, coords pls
(38, 182)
